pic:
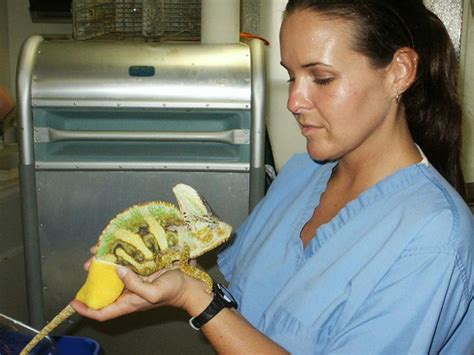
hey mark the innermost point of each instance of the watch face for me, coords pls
(226, 295)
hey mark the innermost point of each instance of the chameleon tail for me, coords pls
(194, 271)
(48, 328)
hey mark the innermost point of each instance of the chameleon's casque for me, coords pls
(147, 238)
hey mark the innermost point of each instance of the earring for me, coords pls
(398, 97)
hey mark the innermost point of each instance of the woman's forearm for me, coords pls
(230, 333)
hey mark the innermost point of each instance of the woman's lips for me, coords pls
(308, 130)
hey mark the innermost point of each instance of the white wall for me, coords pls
(20, 27)
(285, 136)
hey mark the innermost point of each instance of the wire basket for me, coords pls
(159, 20)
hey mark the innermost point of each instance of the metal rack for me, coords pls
(159, 20)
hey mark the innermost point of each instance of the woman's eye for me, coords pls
(323, 81)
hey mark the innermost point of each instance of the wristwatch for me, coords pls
(222, 299)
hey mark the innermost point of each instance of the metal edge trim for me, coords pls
(33, 273)
(152, 166)
(257, 137)
(139, 104)
(26, 61)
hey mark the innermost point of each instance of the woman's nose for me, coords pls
(297, 98)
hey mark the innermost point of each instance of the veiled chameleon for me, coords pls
(147, 238)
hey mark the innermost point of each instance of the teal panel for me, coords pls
(141, 120)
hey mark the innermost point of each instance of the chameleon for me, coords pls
(146, 238)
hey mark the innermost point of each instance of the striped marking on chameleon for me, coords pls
(134, 240)
(157, 231)
(145, 267)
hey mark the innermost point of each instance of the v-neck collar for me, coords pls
(390, 184)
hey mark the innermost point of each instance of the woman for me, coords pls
(362, 245)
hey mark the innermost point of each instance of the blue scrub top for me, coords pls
(391, 273)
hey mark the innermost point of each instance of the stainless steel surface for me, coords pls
(26, 62)
(234, 136)
(97, 74)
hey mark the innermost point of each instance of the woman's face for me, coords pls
(339, 100)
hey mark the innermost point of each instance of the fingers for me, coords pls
(93, 251)
(87, 264)
(193, 262)
(135, 284)
(119, 308)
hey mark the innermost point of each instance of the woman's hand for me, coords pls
(167, 287)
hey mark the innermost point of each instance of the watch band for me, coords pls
(222, 299)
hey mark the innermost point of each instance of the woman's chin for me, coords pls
(320, 155)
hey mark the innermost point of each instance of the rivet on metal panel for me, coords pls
(120, 166)
(38, 187)
(165, 167)
(34, 103)
(74, 103)
(207, 105)
(118, 104)
(77, 166)
(45, 287)
(39, 52)
(246, 106)
(164, 105)
(35, 77)
(41, 225)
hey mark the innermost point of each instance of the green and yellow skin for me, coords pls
(147, 238)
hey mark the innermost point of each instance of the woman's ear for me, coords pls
(404, 69)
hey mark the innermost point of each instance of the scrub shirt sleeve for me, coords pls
(387, 321)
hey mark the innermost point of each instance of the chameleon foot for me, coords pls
(194, 271)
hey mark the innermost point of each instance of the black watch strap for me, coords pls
(222, 299)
